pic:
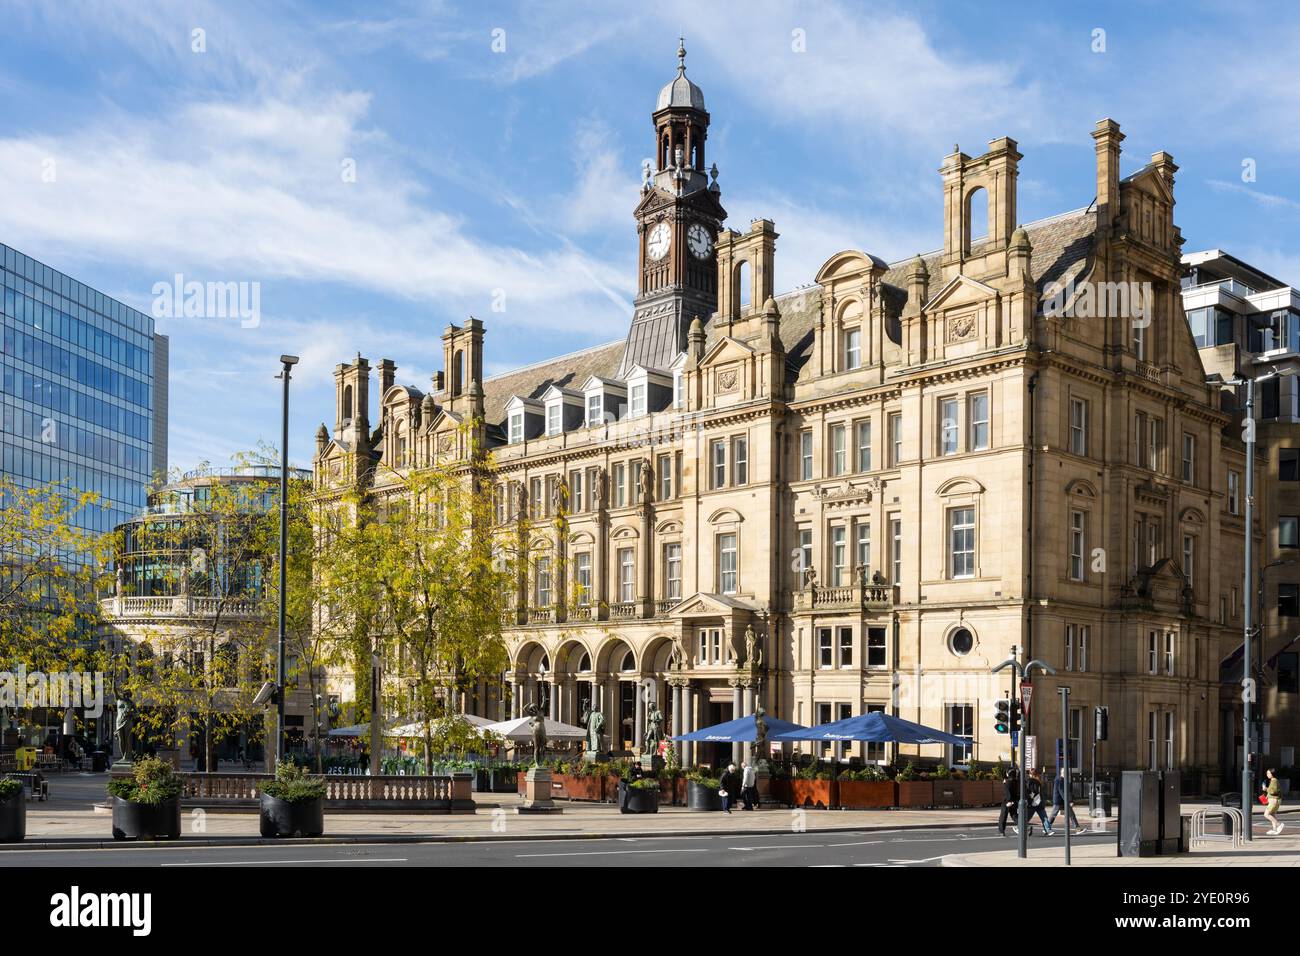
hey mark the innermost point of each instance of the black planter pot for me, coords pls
(700, 797)
(641, 801)
(13, 818)
(146, 821)
(280, 818)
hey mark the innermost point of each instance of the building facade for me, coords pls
(1247, 323)
(84, 390)
(865, 493)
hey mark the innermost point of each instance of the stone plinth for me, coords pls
(537, 792)
(763, 784)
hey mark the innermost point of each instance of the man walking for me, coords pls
(748, 789)
(729, 786)
(1010, 801)
(1058, 804)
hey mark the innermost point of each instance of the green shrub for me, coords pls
(907, 773)
(645, 783)
(941, 772)
(292, 784)
(152, 781)
(702, 778)
(9, 786)
(865, 774)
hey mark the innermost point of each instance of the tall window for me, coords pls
(1287, 531)
(1077, 545)
(839, 453)
(1140, 440)
(1140, 341)
(516, 428)
(1288, 464)
(626, 575)
(863, 545)
(839, 553)
(805, 455)
(620, 485)
(678, 394)
(1169, 739)
(1079, 426)
(664, 465)
(593, 489)
(554, 418)
(1189, 558)
(1169, 653)
(874, 750)
(896, 550)
(876, 646)
(961, 723)
(1189, 458)
(543, 590)
(593, 409)
(727, 565)
(673, 571)
(895, 439)
(948, 426)
(718, 455)
(1153, 751)
(863, 436)
(961, 525)
(1153, 653)
(846, 646)
(575, 491)
(1081, 657)
(852, 348)
(1067, 658)
(805, 550)
(740, 460)
(634, 483)
(582, 574)
(978, 406)
(825, 647)
(638, 399)
(538, 501)
(1234, 493)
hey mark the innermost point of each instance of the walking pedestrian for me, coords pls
(1058, 803)
(1274, 794)
(1034, 802)
(1010, 803)
(730, 786)
(748, 785)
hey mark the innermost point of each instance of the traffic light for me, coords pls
(1002, 717)
(1102, 723)
(1015, 716)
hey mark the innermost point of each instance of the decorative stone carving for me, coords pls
(961, 328)
(728, 379)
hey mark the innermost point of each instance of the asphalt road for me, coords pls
(875, 848)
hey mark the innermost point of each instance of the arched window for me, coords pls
(976, 218)
(457, 372)
(629, 662)
(347, 403)
(743, 287)
(584, 665)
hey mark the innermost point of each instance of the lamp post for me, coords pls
(287, 362)
(1022, 673)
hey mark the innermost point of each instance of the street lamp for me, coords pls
(287, 363)
(1247, 590)
(1022, 673)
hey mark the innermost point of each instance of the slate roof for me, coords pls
(531, 381)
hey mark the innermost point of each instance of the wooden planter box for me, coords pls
(864, 794)
(915, 793)
(980, 793)
(583, 788)
(810, 793)
(947, 793)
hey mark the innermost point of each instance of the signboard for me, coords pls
(1026, 695)
(1031, 751)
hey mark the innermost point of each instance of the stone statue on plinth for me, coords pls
(123, 727)
(594, 722)
(537, 724)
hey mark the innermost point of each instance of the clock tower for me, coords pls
(678, 221)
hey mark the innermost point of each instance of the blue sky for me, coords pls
(507, 177)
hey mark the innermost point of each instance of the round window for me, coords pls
(961, 642)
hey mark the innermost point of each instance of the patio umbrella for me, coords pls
(876, 727)
(356, 730)
(742, 730)
(416, 728)
(519, 731)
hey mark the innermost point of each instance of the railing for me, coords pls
(1152, 373)
(445, 793)
(870, 597)
(541, 615)
(663, 607)
(580, 613)
(624, 610)
(180, 606)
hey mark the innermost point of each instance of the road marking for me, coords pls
(522, 856)
(862, 843)
(928, 859)
(373, 859)
(792, 846)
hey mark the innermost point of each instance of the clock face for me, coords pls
(660, 238)
(699, 241)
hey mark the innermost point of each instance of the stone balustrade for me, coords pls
(869, 597)
(439, 793)
(180, 606)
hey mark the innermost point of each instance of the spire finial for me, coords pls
(681, 55)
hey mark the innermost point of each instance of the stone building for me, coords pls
(863, 493)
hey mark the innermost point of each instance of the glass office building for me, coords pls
(84, 390)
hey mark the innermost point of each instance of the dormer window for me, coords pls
(517, 428)
(594, 403)
(638, 399)
(554, 419)
(678, 391)
(852, 349)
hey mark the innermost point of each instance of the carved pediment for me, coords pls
(701, 604)
(847, 492)
(961, 291)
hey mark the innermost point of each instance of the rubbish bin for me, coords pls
(1230, 800)
(99, 761)
(1102, 797)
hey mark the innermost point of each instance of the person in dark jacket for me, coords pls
(1034, 802)
(1058, 803)
(1010, 802)
(730, 787)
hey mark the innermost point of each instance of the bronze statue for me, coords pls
(537, 724)
(760, 724)
(122, 727)
(594, 721)
(654, 723)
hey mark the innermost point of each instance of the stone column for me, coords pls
(688, 724)
(553, 711)
(747, 695)
(737, 704)
(677, 719)
(638, 725)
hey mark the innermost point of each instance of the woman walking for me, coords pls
(1274, 794)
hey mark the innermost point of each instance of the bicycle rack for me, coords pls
(1199, 834)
